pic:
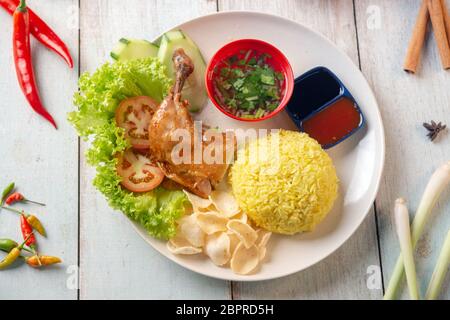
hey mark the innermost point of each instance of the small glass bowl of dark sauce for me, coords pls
(324, 108)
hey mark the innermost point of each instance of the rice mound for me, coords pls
(290, 187)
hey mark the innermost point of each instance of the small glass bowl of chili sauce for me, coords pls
(324, 108)
(249, 80)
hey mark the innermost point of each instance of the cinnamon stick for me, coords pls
(437, 20)
(446, 18)
(414, 51)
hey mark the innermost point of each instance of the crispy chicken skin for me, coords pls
(197, 177)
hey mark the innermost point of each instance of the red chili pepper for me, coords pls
(13, 198)
(18, 197)
(41, 31)
(28, 235)
(22, 60)
(27, 232)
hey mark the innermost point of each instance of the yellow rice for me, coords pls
(289, 190)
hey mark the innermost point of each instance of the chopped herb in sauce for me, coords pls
(247, 86)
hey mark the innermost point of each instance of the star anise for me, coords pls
(434, 129)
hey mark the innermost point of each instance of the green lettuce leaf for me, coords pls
(98, 97)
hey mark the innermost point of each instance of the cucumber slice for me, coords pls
(171, 35)
(174, 35)
(194, 89)
(128, 49)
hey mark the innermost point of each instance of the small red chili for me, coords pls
(14, 197)
(23, 63)
(18, 197)
(28, 235)
(27, 232)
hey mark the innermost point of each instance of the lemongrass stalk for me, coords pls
(440, 270)
(438, 181)
(404, 236)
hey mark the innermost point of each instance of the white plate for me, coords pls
(359, 160)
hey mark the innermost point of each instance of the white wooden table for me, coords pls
(103, 256)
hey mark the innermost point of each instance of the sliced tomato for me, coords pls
(134, 115)
(137, 172)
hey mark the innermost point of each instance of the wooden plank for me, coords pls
(42, 161)
(406, 101)
(115, 262)
(343, 274)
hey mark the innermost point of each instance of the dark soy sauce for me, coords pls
(312, 92)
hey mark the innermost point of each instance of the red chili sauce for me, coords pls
(333, 122)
